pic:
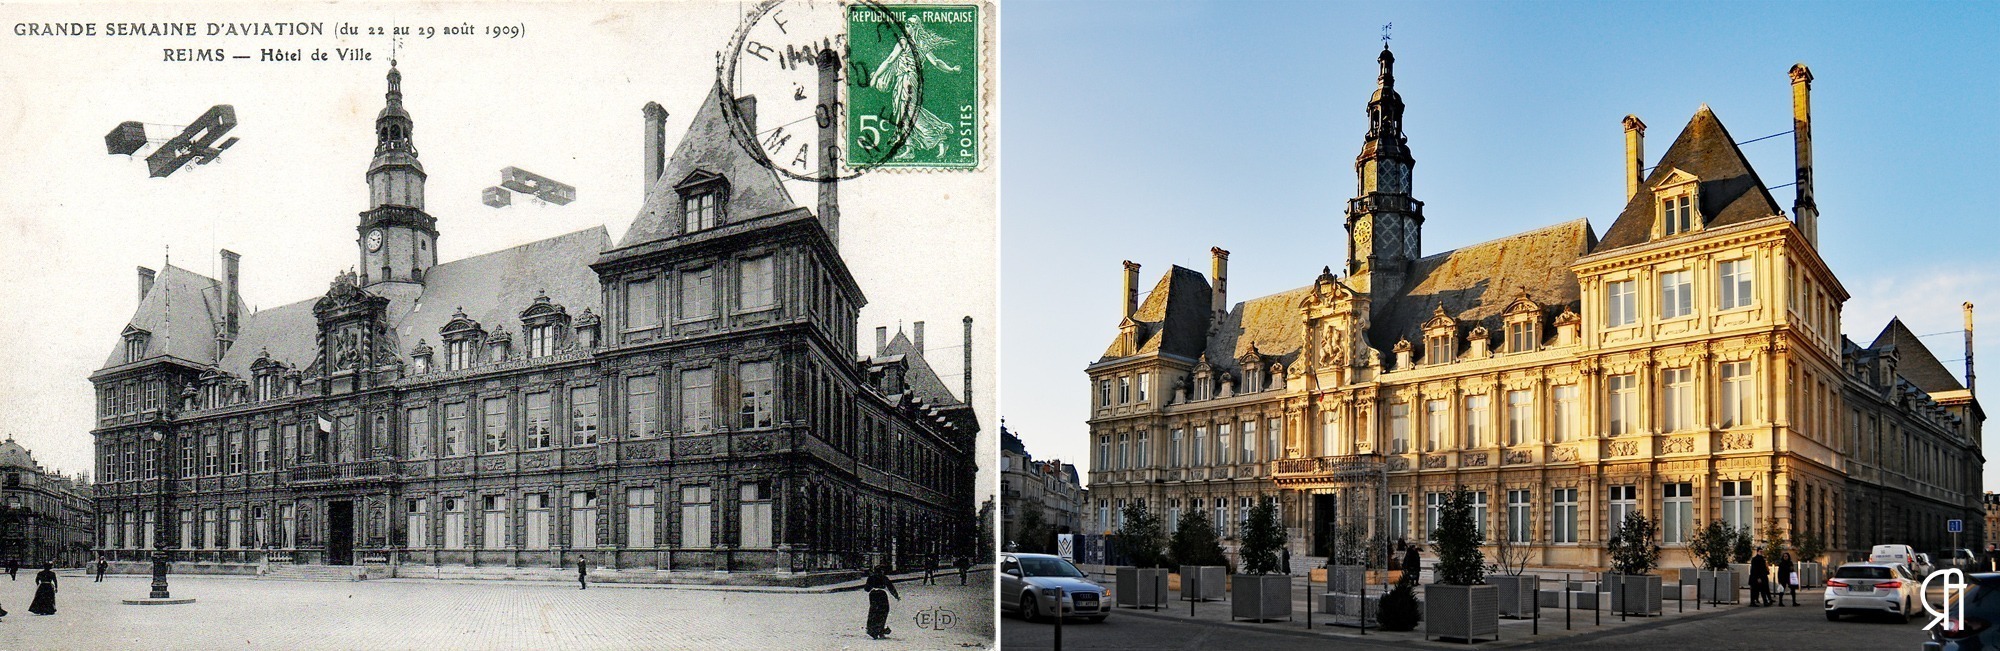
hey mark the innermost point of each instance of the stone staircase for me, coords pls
(290, 572)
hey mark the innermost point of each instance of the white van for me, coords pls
(1903, 555)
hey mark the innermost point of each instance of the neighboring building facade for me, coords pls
(1052, 485)
(687, 398)
(45, 517)
(1687, 365)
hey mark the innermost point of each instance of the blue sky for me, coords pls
(1153, 131)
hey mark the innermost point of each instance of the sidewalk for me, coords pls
(1581, 624)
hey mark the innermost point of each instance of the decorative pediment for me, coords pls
(1522, 304)
(542, 308)
(423, 349)
(460, 326)
(1402, 346)
(1568, 317)
(700, 179)
(1439, 320)
(1250, 358)
(499, 336)
(134, 331)
(1479, 333)
(345, 291)
(1201, 366)
(588, 319)
(264, 364)
(1675, 176)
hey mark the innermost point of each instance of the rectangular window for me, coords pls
(1399, 427)
(493, 424)
(583, 520)
(697, 294)
(1564, 523)
(1224, 452)
(1479, 511)
(642, 309)
(1676, 294)
(149, 533)
(211, 458)
(1399, 516)
(1438, 350)
(1249, 454)
(1677, 214)
(211, 536)
(187, 534)
(1329, 429)
(753, 285)
(1174, 450)
(1677, 515)
(1145, 386)
(755, 522)
(1104, 452)
(1124, 451)
(583, 416)
(496, 522)
(1624, 403)
(1478, 413)
(699, 211)
(289, 439)
(416, 523)
(1621, 306)
(642, 406)
(541, 340)
(454, 523)
(1436, 425)
(1566, 420)
(696, 517)
(1124, 389)
(1521, 337)
(536, 435)
(1737, 283)
(536, 506)
(1677, 399)
(756, 380)
(235, 519)
(1433, 503)
(149, 461)
(1200, 449)
(698, 401)
(417, 424)
(454, 429)
(288, 518)
(1141, 451)
(260, 439)
(1520, 417)
(1624, 502)
(1736, 393)
(1520, 517)
(639, 510)
(1104, 393)
(1274, 434)
(1738, 508)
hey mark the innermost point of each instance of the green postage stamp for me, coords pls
(913, 86)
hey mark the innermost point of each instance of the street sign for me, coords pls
(1066, 546)
(1954, 526)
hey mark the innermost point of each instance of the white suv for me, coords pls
(1873, 588)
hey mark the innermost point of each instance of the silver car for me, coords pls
(1029, 585)
(1858, 588)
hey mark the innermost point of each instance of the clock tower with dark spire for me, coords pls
(1384, 223)
(398, 239)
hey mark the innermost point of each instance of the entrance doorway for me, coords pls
(1325, 516)
(340, 533)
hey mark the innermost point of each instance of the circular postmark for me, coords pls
(794, 56)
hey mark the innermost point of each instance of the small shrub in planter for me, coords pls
(1460, 604)
(1633, 558)
(1400, 609)
(1712, 545)
(1262, 593)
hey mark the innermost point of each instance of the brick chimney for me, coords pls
(145, 282)
(917, 336)
(1968, 348)
(227, 334)
(1218, 266)
(656, 142)
(1635, 155)
(1804, 211)
(829, 144)
(967, 394)
(1131, 287)
(881, 339)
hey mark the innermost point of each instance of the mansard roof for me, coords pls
(1730, 192)
(1475, 284)
(1914, 361)
(189, 333)
(1271, 326)
(919, 376)
(709, 148)
(1174, 317)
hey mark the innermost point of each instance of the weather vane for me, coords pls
(1385, 33)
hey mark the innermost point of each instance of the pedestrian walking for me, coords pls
(45, 591)
(1788, 583)
(13, 568)
(1285, 559)
(879, 589)
(1760, 581)
(1413, 562)
(102, 565)
(930, 567)
(963, 564)
(581, 573)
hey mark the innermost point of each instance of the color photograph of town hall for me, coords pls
(1686, 364)
(683, 404)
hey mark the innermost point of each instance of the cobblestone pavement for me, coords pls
(245, 613)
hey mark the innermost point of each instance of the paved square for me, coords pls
(245, 613)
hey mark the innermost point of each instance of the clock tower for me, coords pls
(1384, 223)
(398, 240)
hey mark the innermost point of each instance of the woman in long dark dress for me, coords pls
(879, 588)
(45, 592)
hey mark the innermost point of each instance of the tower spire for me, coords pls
(1384, 222)
(398, 240)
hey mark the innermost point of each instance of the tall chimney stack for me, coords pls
(656, 143)
(145, 282)
(1968, 348)
(1131, 287)
(917, 336)
(1635, 154)
(829, 143)
(1803, 209)
(967, 394)
(881, 339)
(230, 262)
(1218, 268)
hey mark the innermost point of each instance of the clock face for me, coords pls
(375, 240)
(792, 56)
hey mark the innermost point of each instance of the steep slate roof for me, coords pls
(708, 147)
(1914, 361)
(1174, 317)
(1730, 192)
(197, 308)
(921, 379)
(1475, 283)
(1271, 323)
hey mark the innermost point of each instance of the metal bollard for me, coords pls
(1309, 598)
(1059, 615)
(1566, 601)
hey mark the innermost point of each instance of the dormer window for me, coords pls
(1437, 349)
(545, 325)
(1440, 337)
(702, 198)
(587, 328)
(1677, 203)
(1676, 215)
(264, 377)
(462, 340)
(1524, 324)
(135, 344)
(420, 358)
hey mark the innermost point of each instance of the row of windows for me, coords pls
(1676, 522)
(1219, 514)
(697, 510)
(1126, 385)
(1735, 288)
(695, 293)
(225, 528)
(1231, 443)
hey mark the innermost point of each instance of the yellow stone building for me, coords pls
(1688, 364)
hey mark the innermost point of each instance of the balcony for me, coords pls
(1364, 467)
(375, 469)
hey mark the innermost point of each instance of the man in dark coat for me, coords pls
(879, 589)
(581, 572)
(1785, 584)
(963, 564)
(102, 565)
(1760, 581)
(45, 592)
(13, 568)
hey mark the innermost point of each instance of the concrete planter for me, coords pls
(1637, 595)
(1141, 587)
(1716, 586)
(1260, 597)
(1347, 579)
(1202, 582)
(1742, 578)
(1812, 575)
(1517, 594)
(1463, 612)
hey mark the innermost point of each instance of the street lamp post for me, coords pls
(163, 522)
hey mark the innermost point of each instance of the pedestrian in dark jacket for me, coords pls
(102, 565)
(1760, 581)
(1785, 584)
(879, 589)
(1413, 563)
(45, 592)
(963, 564)
(581, 572)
